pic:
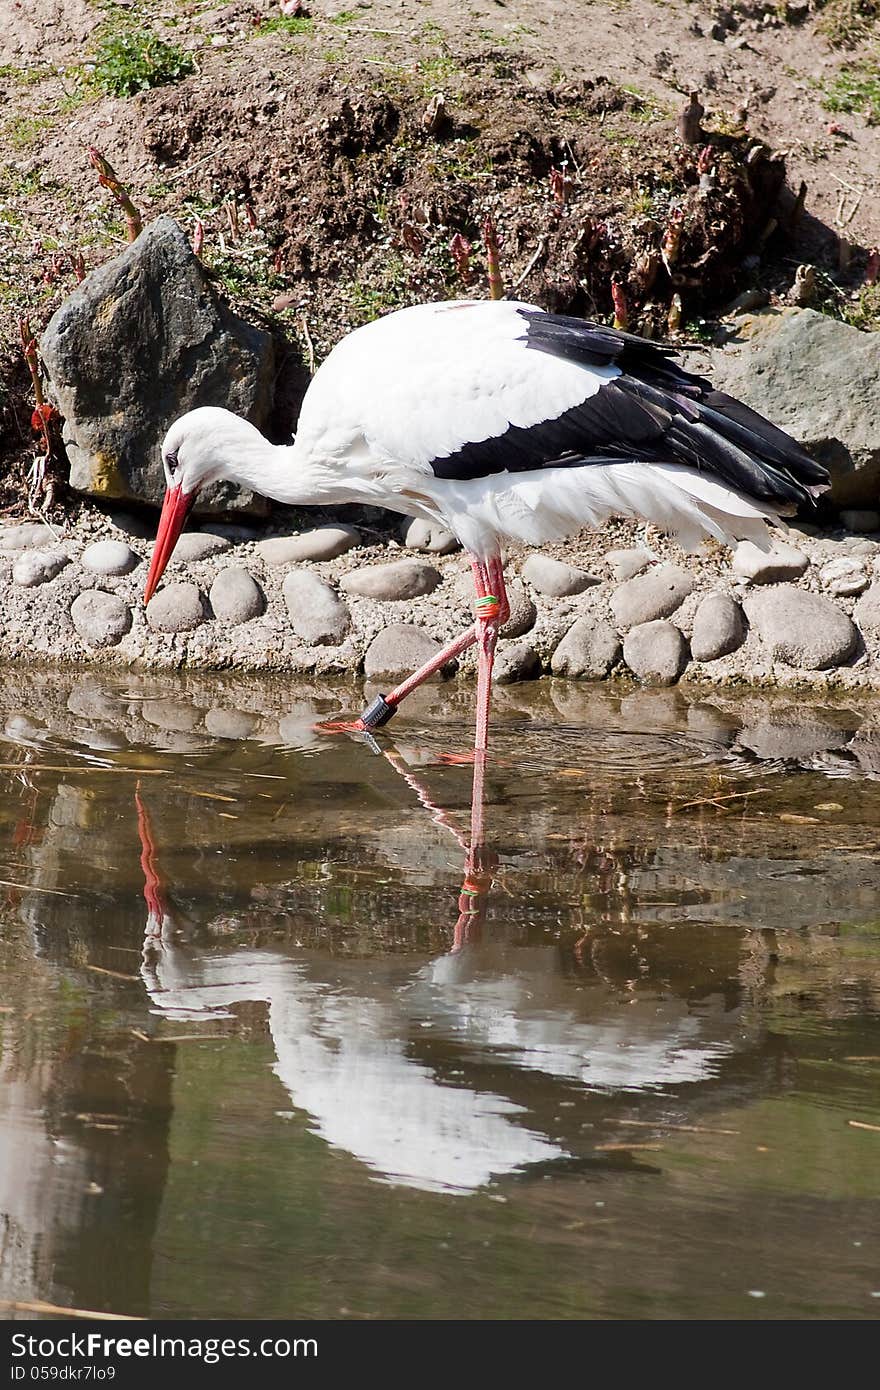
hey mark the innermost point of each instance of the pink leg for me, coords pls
(486, 575)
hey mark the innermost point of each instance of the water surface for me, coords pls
(250, 1067)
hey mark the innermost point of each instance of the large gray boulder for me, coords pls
(819, 379)
(143, 339)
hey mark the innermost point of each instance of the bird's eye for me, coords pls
(171, 463)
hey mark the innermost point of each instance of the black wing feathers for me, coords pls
(653, 412)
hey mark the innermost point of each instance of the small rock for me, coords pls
(626, 564)
(25, 537)
(317, 613)
(844, 577)
(429, 537)
(656, 652)
(802, 629)
(399, 580)
(589, 649)
(101, 619)
(400, 649)
(555, 579)
(867, 610)
(516, 662)
(653, 595)
(109, 557)
(38, 567)
(323, 543)
(176, 608)
(860, 519)
(198, 545)
(523, 612)
(236, 597)
(229, 723)
(768, 566)
(718, 628)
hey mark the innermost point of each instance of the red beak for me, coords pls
(175, 510)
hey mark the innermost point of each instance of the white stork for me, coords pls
(501, 422)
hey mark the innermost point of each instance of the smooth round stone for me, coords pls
(101, 619)
(653, 595)
(718, 628)
(400, 580)
(230, 723)
(523, 613)
(199, 545)
(400, 649)
(429, 537)
(176, 608)
(588, 650)
(655, 652)
(771, 566)
(555, 579)
(324, 543)
(29, 534)
(625, 564)
(517, 662)
(802, 629)
(236, 597)
(38, 567)
(109, 557)
(317, 613)
(844, 577)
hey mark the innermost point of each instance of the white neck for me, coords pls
(286, 474)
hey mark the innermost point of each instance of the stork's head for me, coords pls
(201, 447)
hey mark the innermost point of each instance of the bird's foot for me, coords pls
(374, 716)
(340, 726)
(455, 759)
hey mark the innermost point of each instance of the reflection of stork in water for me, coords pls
(363, 1061)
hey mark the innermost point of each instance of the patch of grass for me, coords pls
(855, 89)
(132, 60)
(648, 108)
(292, 26)
(864, 311)
(847, 22)
(438, 74)
(388, 290)
(24, 77)
(17, 185)
(344, 17)
(22, 131)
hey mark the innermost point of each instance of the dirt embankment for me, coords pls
(331, 160)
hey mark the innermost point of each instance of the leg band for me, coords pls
(378, 713)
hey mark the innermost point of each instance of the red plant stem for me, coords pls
(490, 238)
(108, 179)
(29, 348)
(621, 308)
(460, 250)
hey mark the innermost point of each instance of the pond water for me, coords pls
(252, 1065)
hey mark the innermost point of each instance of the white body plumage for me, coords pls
(414, 388)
